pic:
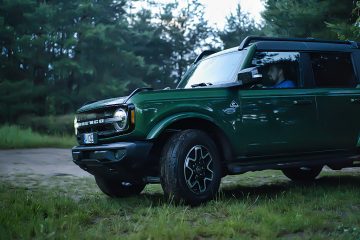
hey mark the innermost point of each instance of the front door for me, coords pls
(278, 116)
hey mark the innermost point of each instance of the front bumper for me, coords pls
(123, 160)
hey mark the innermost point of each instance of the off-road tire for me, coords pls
(302, 174)
(117, 189)
(174, 162)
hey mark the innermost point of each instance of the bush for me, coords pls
(52, 125)
(16, 137)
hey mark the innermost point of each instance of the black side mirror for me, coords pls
(249, 76)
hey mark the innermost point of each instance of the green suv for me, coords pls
(272, 103)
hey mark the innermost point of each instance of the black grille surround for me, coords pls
(105, 116)
(103, 129)
(108, 113)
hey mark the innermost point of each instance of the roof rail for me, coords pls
(204, 54)
(246, 42)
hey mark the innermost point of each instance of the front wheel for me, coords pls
(114, 188)
(190, 167)
(302, 173)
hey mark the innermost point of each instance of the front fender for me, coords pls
(163, 124)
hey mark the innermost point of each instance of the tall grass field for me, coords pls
(12, 136)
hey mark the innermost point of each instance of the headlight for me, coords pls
(121, 119)
(76, 125)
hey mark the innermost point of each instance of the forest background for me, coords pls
(57, 55)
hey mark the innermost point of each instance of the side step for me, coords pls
(338, 161)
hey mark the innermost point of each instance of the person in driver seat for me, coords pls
(276, 74)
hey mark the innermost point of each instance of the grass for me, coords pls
(52, 125)
(16, 137)
(261, 205)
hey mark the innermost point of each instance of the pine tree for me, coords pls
(186, 29)
(348, 30)
(238, 26)
(305, 18)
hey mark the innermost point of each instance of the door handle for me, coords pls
(355, 100)
(302, 102)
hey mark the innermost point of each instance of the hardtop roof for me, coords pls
(287, 44)
(298, 44)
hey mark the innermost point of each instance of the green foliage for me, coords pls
(346, 30)
(19, 97)
(15, 137)
(51, 125)
(172, 41)
(56, 55)
(305, 18)
(238, 26)
(186, 31)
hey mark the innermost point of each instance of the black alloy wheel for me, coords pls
(190, 167)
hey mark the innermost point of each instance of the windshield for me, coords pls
(215, 70)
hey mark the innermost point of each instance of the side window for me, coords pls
(278, 69)
(332, 70)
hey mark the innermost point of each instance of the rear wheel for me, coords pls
(302, 173)
(190, 167)
(115, 188)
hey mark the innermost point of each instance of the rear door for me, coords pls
(338, 99)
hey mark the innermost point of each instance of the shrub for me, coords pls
(15, 137)
(52, 125)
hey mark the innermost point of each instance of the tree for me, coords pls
(186, 30)
(66, 53)
(348, 30)
(305, 18)
(238, 26)
(19, 46)
(147, 41)
(56, 55)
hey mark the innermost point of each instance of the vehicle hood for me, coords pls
(102, 104)
(158, 96)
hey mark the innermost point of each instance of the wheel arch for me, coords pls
(166, 128)
(167, 122)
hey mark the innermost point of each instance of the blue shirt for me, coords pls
(285, 84)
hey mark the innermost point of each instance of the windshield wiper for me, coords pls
(201, 84)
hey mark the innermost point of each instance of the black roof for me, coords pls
(298, 44)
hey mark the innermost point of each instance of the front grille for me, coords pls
(94, 115)
(102, 129)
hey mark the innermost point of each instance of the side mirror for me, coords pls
(249, 76)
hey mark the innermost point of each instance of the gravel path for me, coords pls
(47, 162)
(51, 162)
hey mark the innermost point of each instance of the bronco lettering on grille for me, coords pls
(92, 122)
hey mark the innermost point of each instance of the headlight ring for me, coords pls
(121, 119)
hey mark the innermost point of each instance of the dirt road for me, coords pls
(50, 163)
(43, 161)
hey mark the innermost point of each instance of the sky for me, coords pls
(217, 10)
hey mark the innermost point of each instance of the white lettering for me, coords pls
(92, 122)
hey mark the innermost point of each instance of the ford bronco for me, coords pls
(272, 103)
